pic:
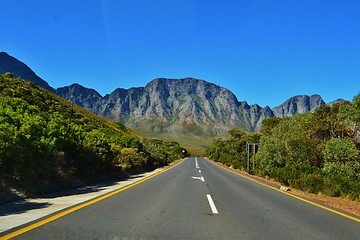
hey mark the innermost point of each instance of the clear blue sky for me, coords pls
(264, 51)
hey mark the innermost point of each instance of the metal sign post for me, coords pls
(251, 148)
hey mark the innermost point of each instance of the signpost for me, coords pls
(251, 148)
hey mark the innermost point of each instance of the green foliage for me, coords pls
(232, 151)
(340, 151)
(327, 123)
(131, 159)
(350, 113)
(268, 124)
(44, 140)
(272, 155)
(236, 133)
(164, 152)
(315, 152)
(342, 179)
(304, 177)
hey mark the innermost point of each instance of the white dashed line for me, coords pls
(212, 205)
(196, 163)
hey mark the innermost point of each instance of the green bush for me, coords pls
(310, 182)
(340, 151)
(286, 175)
(342, 179)
(44, 138)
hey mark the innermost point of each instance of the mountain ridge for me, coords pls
(171, 108)
(205, 103)
(21, 70)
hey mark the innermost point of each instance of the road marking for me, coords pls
(196, 163)
(200, 178)
(199, 171)
(212, 204)
(80, 206)
(292, 195)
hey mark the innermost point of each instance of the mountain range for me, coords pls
(171, 108)
(174, 106)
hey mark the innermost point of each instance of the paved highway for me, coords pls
(198, 200)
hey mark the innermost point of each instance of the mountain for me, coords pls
(188, 106)
(79, 95)
(169, 106)
(339, 100)
(20, 70)
(298, 104)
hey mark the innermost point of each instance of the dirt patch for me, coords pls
(340, 204)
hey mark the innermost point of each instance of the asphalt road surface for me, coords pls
(199, 200)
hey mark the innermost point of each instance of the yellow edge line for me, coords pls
(292, 195)
(80, 206)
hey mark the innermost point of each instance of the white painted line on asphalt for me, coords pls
(196, 163)
(200, 178)
(212, 204)
(199, 171)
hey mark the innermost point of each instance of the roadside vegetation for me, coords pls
(46, 141)
(314, 152)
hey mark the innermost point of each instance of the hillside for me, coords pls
(47, 142)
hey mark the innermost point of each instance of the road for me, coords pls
(198, 200)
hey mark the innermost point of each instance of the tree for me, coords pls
(340, 151)
(350, 114)
(236, 133)
(131, 158)
(327, 124)
(268, 124)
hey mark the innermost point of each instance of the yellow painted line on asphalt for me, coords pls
(82, 205)
(292, 195)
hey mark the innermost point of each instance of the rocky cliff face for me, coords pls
(298, 104)
(20, 70)
(85, 97)
(183, 106)
(164, 105)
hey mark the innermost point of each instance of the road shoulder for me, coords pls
(342, 205)
(16, 214)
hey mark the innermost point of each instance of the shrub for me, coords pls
(342, 179)
(340, 150)
(311, 182)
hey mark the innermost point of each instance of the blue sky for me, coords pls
(264, 51)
